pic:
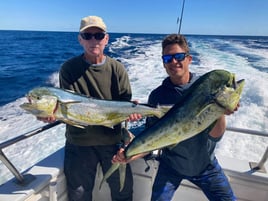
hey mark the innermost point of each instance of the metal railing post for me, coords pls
(19, 177)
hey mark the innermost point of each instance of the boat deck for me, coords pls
(47, 182)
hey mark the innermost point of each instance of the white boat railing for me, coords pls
(254, 166)
(24, 179)
(19, 177)
(247, 131)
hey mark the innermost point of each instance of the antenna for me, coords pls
(180, 19)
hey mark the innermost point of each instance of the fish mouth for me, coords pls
(28, 104)
(228, 97)
(40, 107)
(237, 83)
(30, 100)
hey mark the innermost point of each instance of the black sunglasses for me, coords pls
(178, 56)
(97, 36)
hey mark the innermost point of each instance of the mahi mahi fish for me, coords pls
(79, 110)
(203, 103)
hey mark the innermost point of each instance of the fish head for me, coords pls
(228, 90)
(41, 102)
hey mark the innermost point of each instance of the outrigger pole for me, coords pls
(180, 18)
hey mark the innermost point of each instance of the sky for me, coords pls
(214, 17)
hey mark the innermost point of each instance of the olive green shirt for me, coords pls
(109, 81)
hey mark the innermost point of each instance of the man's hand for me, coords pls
(220, 126)
(134, 117)
(228, 112)
(50, 119)
(120, 157)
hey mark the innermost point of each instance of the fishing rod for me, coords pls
(180, 18)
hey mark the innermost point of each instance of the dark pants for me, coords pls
(212, 182)
(80, 166)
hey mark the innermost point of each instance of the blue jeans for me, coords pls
(212, 182)
(80, 165)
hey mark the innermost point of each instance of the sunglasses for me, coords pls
(97, 36)
(178, 56)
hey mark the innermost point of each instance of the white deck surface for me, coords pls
(49, 181)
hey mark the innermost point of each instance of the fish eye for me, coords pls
(36, 97)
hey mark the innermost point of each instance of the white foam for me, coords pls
(119, 43)
(54, 79)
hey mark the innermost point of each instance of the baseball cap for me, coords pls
(92, 21)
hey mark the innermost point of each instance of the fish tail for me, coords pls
(122, 175)
(112, 169)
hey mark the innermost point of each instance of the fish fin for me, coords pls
(203, 109)
(72, 123)
(122, 175)
(127, 136)
(64, 108)
(170, 147)
(161, 110)
(108, 125)
(68, 101)
(112, 169)
(78, 126)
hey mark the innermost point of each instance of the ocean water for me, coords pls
(30, 59)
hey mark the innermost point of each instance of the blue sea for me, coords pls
(33, 58)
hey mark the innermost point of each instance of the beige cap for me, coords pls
(92, 21)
